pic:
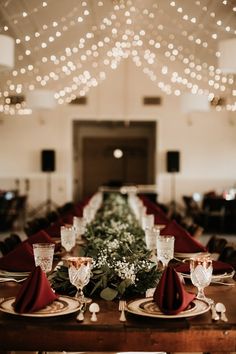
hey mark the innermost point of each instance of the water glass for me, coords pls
(151, 238)
(67, 237)
(147, 221)
(79, 225)
(201, 274)
(165, 249)
(43, 255)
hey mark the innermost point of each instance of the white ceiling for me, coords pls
(69, 46)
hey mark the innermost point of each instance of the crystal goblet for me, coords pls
(67, 237)
(79, 225)
(201, 274)
(43, 255)
(79, 274)
(165, 249)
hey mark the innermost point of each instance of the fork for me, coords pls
(122, 305)
(80, 316)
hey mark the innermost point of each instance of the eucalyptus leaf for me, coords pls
(108, 294)
(123, 285)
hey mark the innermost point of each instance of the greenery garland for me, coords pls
(122, 264)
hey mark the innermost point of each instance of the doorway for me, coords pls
(113, 154)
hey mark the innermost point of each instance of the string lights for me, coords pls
(174, 43)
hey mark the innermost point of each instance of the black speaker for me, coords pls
(48, 160)
(173, 161)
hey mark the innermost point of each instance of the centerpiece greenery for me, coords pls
(122, 265)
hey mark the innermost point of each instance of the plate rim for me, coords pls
(215, 277)
(41, 315)
(162, 315)
(188, 255)
(7, 273)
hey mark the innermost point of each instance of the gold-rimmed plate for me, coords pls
(62, 306)
(12, 274)
(147, 307)
(187, 256)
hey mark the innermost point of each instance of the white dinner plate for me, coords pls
(183, 255)
(62, 306)
(147, 307)
(8, 274)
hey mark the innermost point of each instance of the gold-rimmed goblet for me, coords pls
(201, 274)
(79, 269)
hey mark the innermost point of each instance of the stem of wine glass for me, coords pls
(80, 295)
(201, 294)
(164, 264)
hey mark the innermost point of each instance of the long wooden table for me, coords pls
(108, 334)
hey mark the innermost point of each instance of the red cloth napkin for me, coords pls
(184, 242)
(159, 215)
(170, 295)
(218, 268)
(21, 259)
(35, 293)
(54, 230)
(40, 237)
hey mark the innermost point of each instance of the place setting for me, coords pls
(36, 298)
(170, 299)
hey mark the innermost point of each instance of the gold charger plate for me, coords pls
(147, 307)
(62, 306)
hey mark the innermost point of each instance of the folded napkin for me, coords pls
(54, 230)
(68, 219)
(35, 293)
(218, 268)
(152, 208)
(184, 242)
(40, 237)
(170, 295)
(21, 259)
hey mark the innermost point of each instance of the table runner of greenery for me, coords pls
(122, 265)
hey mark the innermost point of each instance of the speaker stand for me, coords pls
(173, 192)
(48, 205)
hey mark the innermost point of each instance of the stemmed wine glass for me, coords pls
(79, 225)
(67, 237)
(201, 274)
(165, 249)
(79, 275)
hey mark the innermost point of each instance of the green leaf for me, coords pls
(123, 285)
(98, 284)
(108, 294)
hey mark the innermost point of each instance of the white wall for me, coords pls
(206, 141)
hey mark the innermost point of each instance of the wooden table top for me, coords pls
(138, 333)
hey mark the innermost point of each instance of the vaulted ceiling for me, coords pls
(69, 46)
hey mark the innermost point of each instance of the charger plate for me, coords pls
(62, 306)
(184, 255)
(11, 274)
(147, 307)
